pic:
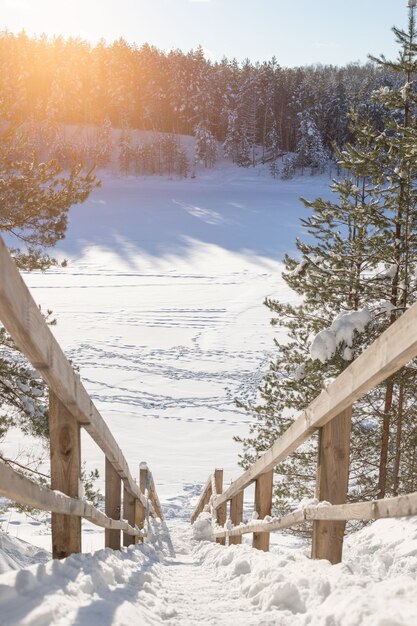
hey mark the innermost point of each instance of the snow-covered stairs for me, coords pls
(205, 583)
(199, 596)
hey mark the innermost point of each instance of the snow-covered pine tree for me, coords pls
(206, 146)
(103, 144)
(125, 151)
(232, 139)
(361, 256)
(35, 198)
(272, 141)
(397, 149)
(183, 165)
(310, 151)
(342, 247)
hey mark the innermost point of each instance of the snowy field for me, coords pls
(161, 309)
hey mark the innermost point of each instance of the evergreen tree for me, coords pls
(34, 202)
(103, 144)
(206, 146)
(310, 151)
(272, 141)
(356, 276)
(125, 151)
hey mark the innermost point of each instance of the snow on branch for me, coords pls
(341, 331)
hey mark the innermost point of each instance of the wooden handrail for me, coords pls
(70, 408)
(203, 499)
(331, 413)
(43, 498)
(401, 506)
(391, 351)
(24, 321)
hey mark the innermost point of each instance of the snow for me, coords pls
(342, 331)
(204, 582)
(161, 308)
(162, 311)
(15, 554)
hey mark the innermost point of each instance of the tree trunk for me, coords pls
(383, 459)
(398, 438)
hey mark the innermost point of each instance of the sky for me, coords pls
(296, 32)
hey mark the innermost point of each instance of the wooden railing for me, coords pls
(70, 409)
(330, 413)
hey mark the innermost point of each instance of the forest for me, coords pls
(257, 111)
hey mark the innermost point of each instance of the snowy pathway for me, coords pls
(201, 597)
(205, 583)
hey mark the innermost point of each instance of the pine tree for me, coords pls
(272, 141)
(310, 151)
(206, 146)
(103, 144)
(125, 151)
(360, 259)
(34, 202)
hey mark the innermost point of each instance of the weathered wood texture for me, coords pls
(17, 487)
(113, 504)
(129, 515)
(298, 517)
(332, 485)
(203, 499)
(64, 433)
(400, 506)
(236, 515)
(221, 511)
(140, 510)
(24, 321)
(263, 506)
(393, 349)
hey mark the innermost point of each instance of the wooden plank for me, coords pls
(140, 510)
(112, 504)
(21, 316)
(65, 453)
(332, 485)
(221, 511)
(298, 517)
(236, 515)
(393, 349)
(263, 506)
(203, 500)
(129, 515)
(21, 489)
(401, 506)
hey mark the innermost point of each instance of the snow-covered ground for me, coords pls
(161, 308)
(204, 583)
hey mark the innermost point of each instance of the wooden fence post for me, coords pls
(236, 515)
(263, 506)
(113, 504)
(64, 434)
(221, 511)
(139, 508)
(332, 485)
(128, 514)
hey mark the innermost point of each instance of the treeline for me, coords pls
(257, 111)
